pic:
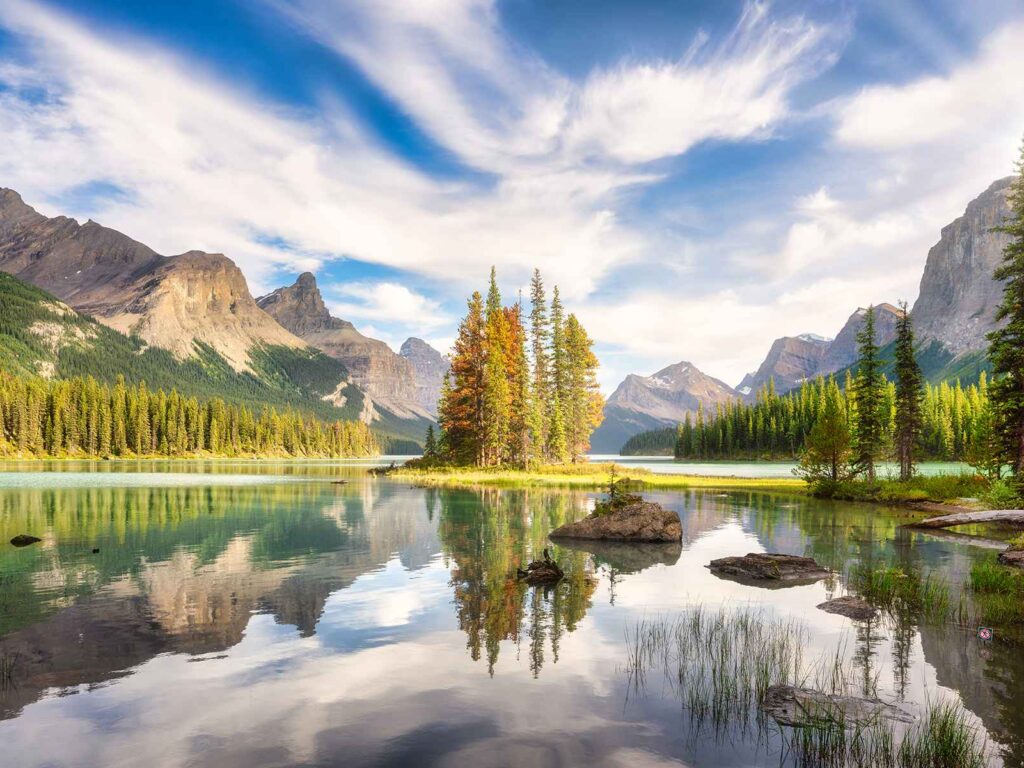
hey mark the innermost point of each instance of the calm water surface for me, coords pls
(265, 614)
(669, 466)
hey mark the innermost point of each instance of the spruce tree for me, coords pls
(557, 446)
(1006, 343)
(583, 407)
(430, 443)
(540, 333)
(909, 389)
(496, 398)
(868, 390)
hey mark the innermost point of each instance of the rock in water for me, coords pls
(1012, 557)
(23, 540)
(851, 607)
(768, 569)
(544, 571)
(804, 707)
(644, 521)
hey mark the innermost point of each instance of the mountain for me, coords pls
(42, 336)
(179, 303)
(663, 399)
(791, 360)
(388, 378)
(842, 352)
(958, 297)
(429, 368)
(187, 322)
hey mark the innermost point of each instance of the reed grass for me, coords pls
(720, 662)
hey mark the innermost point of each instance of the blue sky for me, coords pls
(697, 177)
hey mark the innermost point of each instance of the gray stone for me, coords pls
(769, 569)
(804, 707)
(1012, 557)
(645, 521)
(851, 607)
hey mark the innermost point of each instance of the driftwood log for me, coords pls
(968, 518)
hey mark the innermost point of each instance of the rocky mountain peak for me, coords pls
(300, 307)
(388, 378)
(958, 297)
(429, 369)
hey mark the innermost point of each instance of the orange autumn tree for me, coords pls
(492, 410)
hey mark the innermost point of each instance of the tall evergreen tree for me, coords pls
(540, 334)
(869, 390)
(1006, 343)
(908, 396)
(518, 369)
(557, 377)
(583, 406)
(496, 398)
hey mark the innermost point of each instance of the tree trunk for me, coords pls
(967, 518)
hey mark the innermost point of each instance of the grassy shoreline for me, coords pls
(587, 477)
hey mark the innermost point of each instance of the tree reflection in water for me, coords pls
(486, 535)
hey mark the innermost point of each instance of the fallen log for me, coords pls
(968, 518)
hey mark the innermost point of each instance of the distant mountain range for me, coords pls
(954, 310)
(193, 324)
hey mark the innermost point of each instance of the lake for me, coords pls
(260, 614)
(761, 469)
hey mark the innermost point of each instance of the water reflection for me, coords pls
(308, 623)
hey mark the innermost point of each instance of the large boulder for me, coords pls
(642, 521)
(805, 707)
(769, 569)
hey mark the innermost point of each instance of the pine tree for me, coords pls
(909, 387)
(518, 369)
(540, 334)
(583, 407)
(497, 398)
(868, 390)
(1006, 343)
(430, 443)
(557, 445)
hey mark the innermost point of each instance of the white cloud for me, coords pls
(983, 96)
(388, 302)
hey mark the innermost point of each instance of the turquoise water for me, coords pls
(306, 614)
(669, 466)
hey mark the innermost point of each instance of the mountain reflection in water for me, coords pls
(304, 622)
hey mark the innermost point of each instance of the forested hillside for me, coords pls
(776, 427)
(41, 337)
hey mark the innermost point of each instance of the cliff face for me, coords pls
(171, 302)
(663, 399)
(958, 298)
(429, 368)
(385, 376)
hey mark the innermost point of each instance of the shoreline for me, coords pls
(588, 477)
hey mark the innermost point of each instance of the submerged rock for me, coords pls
(805, 707)
(851, 607)
(23, 540)
(1012, 557)
(769, 569)
(642, 521)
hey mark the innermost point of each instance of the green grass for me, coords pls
(902, 594)
(583, 476)
(998, 592)
(720, 663)
(935, 488)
